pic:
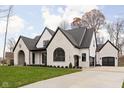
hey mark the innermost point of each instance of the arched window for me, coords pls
(59, 54)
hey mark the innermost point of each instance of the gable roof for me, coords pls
(30, 43)
(100, 46)
(79, 37)
(49, 30)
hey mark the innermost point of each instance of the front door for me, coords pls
(91, 61)
(76, 60)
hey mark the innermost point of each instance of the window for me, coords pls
(94, 43)
(83, 56)
(45, 42)
(33, 58)
(44, 58)
(59, 55)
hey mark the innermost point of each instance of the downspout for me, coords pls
(29, 57)
(89, 57)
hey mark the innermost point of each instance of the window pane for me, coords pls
(83, 56)
(59, 55)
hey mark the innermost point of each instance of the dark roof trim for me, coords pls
(39, 49)
(52, 37)
(17, 43)
(42, 34)
(63, 34)
(110, 43)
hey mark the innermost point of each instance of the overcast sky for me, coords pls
(30, 20)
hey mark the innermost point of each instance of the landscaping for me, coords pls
(14, 76)
(123, 85)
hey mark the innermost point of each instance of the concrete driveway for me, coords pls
(98, 77)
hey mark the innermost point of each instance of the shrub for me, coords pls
(66, 66)
(11, 63)
(24, 63)
(73, 66)
(62, 66)
(54, 66)
(58, 66)
(80, 67)
(50, 66)
(70, 65)
(4, 62)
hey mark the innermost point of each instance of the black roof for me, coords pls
(79, 37)
(31, 42)
(49, 30)
(99, 47)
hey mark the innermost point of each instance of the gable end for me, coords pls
(43, 33)
(18, 42)
(110, 43)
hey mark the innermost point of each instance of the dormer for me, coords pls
(44, 37)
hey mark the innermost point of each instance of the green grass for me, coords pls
(11, 77)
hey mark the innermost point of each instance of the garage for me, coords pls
(108, 61)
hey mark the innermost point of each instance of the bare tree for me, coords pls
(110, 31)
(100, 40)
(116, 32)
(11, 44)
(7, 23)
(92, 19)
(63, 24)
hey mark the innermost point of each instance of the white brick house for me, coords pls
(62, 47)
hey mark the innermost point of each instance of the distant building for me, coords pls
(9, 57)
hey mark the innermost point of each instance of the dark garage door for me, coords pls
(108, 61)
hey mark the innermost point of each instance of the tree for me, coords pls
(110, 31)
(92, 19)
(100, 40)
(116, 32)
(76, 22)
(7, 23)
(63, 24)
(11, 44)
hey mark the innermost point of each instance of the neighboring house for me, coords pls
(9, 57)
(62, 47)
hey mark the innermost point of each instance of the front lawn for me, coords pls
(19, 76)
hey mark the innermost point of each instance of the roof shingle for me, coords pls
(79, 37)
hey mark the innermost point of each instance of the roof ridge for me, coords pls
(25, 37)
(50, 30)
(82, 37)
